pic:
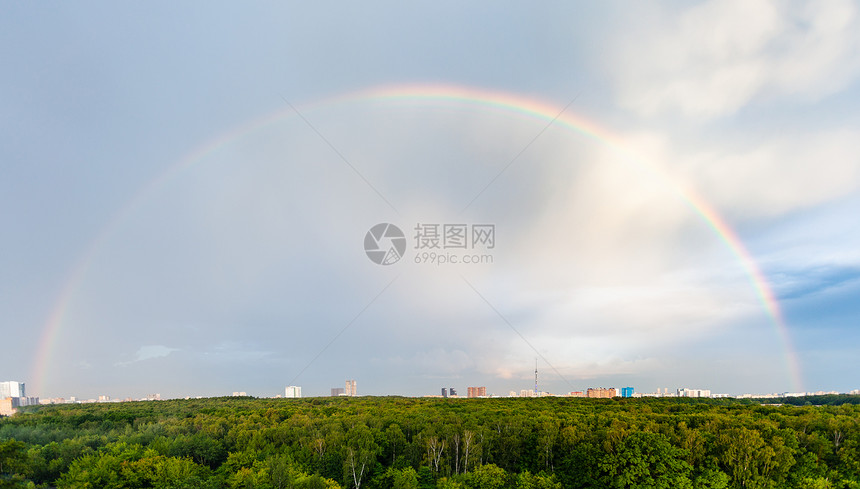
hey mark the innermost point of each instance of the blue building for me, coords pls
(626, 392)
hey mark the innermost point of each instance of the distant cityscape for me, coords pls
(13, 394)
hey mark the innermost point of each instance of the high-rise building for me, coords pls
(626, 392)
(452, 392)
(600, 392)
(476, 392)
(351, 389)
(293, 391)
(444, 392)
(337, 391)
(684, 392)
(12, 389)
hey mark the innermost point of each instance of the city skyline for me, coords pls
(293, 391)
(650, 195)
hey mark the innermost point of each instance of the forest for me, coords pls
(396, 442)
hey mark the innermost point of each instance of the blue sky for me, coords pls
(243, 270)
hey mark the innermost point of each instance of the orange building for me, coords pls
(8, 405)
(601, 392)
(476, 392)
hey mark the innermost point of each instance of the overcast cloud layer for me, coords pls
(242, 268)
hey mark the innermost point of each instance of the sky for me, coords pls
(672, 188)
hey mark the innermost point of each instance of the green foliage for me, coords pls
(525, 480)
(13, 456)
(487, 477)
(376, 443)
(816, 483)
(406, 478)
(750, 460)
(132, 466)
(646, 460)
(712, 479)
(199, 447)
(445, 483)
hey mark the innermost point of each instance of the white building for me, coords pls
(12, 389)
(293, 391)
(351, 389)
(694, 393)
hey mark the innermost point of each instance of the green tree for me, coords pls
(711, 479)
(314, 481)
(395, 441)
(527, 480)
(249, 478)
(816, 483)
(646, 460)
(133, 467)
(94, 471)
(203, 449)
(405, 478)
(280, 471)
(548, 432)
(13, 457)
(488, 476)
(446, 483)
(360, 452)
(750, 460)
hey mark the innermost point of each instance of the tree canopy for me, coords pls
(393, 442)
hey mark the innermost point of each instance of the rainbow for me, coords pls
(461, 96)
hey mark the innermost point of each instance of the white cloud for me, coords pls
(758, 176)
(779, 175)
(714, 58)
(149, 352)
